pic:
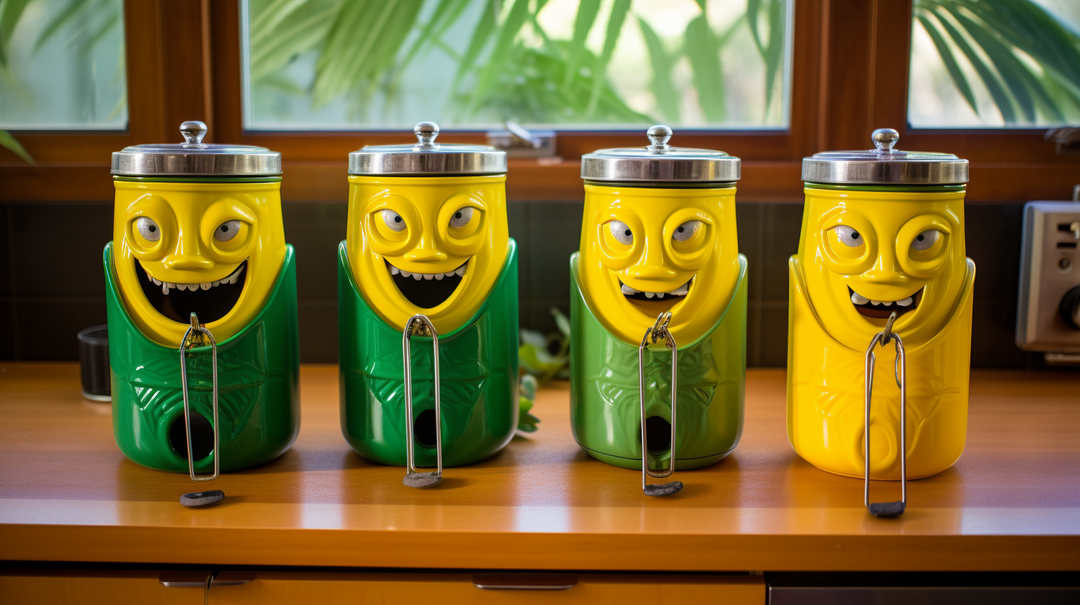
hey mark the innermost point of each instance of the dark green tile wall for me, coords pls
(51, 278)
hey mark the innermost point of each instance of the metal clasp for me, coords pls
(659, 331)
(886, 509)
(199, 335)
(413, 477)
(519, 142)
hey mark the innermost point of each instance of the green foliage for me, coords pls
(527, 389)
(501, 70)
(1027, 59)
(10, 143)
(546, 357)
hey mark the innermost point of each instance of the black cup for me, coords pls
(94, 363)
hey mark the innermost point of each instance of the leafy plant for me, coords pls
(11, 144)
(1027, 58)
(546, 356)
(510, 66)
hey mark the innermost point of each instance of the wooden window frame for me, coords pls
(849, 76)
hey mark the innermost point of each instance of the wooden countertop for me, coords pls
(1012, 502)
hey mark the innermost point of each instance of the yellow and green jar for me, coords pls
(201, 297)
(882, 245)
(428, 260)
(658, 265)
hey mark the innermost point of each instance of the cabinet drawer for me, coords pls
(115, 587)
(395, 588)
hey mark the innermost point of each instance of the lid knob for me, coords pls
(659, 135)
(193, 131)
(426, 132)
(884, 139)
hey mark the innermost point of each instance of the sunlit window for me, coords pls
(995, 63)
(62, 65)
(332, 65)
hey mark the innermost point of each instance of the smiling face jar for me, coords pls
(199, 263)
(427, 239)
(658, 254)
(882, 235)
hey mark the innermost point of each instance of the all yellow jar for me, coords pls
(881, 268)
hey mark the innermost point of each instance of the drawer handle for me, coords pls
(198, 579)
(524, 581)
(184, 579)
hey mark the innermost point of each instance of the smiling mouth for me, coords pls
(427, 290)
(209, 300)
(881, 309)
(677, 293)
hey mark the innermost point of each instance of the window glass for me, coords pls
(367, 64)
(995, 63)
(62, 65)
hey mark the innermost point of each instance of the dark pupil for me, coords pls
(457, 215)
(854, 235)
(224, 228)
(626, 233)
(151, 228)
(680, 229)
(920, 237)
(397, 219)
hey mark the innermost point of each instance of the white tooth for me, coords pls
(449, 274)
(205, 285)
(235, 277)
(417, 276)
(681, 291)
(648, 295)
(405, 273)
(394, 270)
(906, 302)
(858, 299)
(461, 270)
(429, 276)
(439, 276)
(157, 282)
(628, 290)
(165, 288)
(217, 283)
(875, 302)
(659, 294)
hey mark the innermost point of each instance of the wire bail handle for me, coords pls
(653, 335)
(200, 336)
(421, 325)
(886, 509)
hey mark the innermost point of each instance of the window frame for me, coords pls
(849, 76)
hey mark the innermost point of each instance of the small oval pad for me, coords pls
(202, 498)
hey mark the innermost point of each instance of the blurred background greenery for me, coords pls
(329, 64)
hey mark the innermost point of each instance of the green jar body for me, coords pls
(478, 371)
(605, 409)
(258, 377)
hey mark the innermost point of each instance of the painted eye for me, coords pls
(686, 230)
(621, 232)
(848, 236)
(393, 220)
(461, 217)
(148, 229)
(926, 240)
(227, 230)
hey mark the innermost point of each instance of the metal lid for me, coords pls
(195, 158)
(427, 157)
(885, 165)
(660, 162)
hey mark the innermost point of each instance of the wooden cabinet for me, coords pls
(88, 587)
(31, 587)
(395, 588)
